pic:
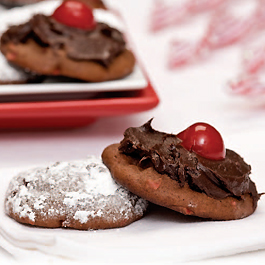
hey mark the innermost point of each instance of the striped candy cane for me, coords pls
(247, 86)
(183, 53)
(260, 13)
(225, 29)
(199, 6)
(164, 15)
(254, 59)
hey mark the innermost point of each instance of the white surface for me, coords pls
(135, 81)
(18, 15)
(161, 235)
(187, 95)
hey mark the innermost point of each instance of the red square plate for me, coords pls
(75, 113)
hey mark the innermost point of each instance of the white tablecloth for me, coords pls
(187, 95)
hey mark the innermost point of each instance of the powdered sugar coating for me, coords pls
(76, 193)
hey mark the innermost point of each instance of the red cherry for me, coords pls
(204, 140)
(75, 14)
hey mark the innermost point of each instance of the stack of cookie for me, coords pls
(66, 44)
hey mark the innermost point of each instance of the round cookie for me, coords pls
(46, 61)
(162, 190)
(79, 194)
(156, 166)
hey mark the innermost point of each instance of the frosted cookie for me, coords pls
(12, 75)
(191, 172)
(79, 195)
(66, 44)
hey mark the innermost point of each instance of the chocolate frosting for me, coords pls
(217, 179)
(102, 44)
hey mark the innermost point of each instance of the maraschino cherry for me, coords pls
(75, 14)
(204, 140)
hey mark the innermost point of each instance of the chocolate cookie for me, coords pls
(47, 47)
(79, 195)
(155, 166)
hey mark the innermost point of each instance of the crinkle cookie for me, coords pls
(79, 194)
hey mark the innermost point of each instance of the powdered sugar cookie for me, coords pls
(79, 194)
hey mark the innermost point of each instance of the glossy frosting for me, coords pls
(101, 44)
(217, 179)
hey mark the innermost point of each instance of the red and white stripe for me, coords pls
(199, 6)
(184, 52)
(164, 15)
(247, 86)
(254, 59)
(225, 29)
(260, 13)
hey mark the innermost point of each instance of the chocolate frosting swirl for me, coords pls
(217, 179)
(102, 44)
